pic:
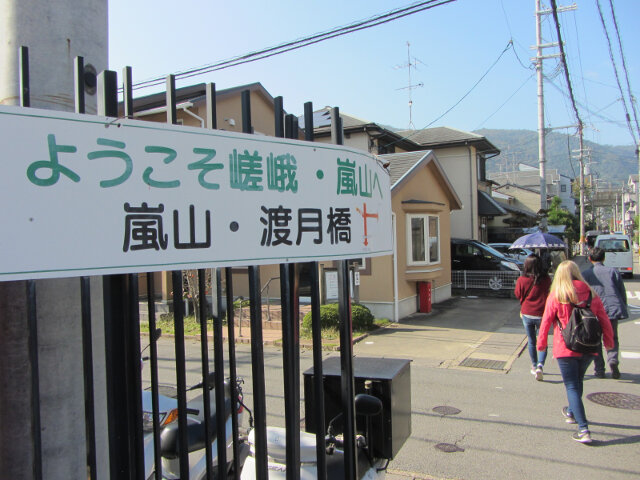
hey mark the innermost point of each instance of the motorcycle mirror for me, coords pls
(157, 334)
(367, 405)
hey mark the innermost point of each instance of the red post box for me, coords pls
(424, 297)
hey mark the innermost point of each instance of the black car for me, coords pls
(468, 254)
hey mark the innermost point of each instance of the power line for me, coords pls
(509, 45)
(415, 132)
(624, 67)
(506, 101)
(374, 21)
(615, 71)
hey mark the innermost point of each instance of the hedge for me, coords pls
(361, 316)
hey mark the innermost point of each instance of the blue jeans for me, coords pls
(573, 370)
(531, 326)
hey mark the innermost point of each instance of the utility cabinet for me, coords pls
(391, 378)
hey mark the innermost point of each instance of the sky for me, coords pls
(457, 49)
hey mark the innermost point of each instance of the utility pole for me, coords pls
(540, 78)
(580, 157)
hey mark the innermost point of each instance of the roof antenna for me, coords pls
(409, 65)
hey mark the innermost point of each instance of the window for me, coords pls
(563, 187)
(423, 239)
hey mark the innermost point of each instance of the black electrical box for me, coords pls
(391, 383)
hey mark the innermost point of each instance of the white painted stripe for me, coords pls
(633, 355)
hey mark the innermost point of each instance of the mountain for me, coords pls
(611, 163)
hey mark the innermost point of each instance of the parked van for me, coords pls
(618, 253)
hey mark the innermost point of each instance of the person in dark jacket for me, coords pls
(607, 283)
(532, 289)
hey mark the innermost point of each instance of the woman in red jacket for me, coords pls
(569, 287)
(532, 289)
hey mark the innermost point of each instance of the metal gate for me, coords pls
(122, 337)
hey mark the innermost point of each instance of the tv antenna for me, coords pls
(410, 87)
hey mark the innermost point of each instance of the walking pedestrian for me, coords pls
(607, 283)
(567, 289)
(532, 289)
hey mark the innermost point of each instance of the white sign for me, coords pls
(90, 195)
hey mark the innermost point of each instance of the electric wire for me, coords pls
(376, 20)
(506, 101)
(554, 11)
(509, 45)
(615, 71)
(624, 67)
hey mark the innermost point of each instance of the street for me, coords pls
(508, 426)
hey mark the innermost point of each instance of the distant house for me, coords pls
(462, 156)
(518, 215)
(557, 185)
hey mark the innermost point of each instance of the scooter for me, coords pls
(196, 438)
(369, 468)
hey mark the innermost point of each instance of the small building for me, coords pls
(423, 200)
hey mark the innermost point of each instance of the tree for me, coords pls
(559, 216)
(191, 292)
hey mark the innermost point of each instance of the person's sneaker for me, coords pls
(583, 436)
(568, 416)
(615, 372)
(533, 370)
(539, 374)
(599, 374)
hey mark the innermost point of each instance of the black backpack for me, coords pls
(583, 332)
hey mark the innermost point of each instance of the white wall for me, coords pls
(462, 173)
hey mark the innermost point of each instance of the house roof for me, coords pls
(352, 124)
(514, 209)
(195, 93)
(487, 206)
(402, 166)
(447, 136)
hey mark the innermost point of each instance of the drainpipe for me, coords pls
(395, 270)
(186, 110)
(474, 211)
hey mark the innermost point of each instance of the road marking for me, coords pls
(634, 355)
(633, 295)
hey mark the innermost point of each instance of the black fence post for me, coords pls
(257, 349)
(346, 340)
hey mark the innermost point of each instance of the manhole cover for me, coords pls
(483, 363)
(616, 400)
(444, 410)
(449, 448)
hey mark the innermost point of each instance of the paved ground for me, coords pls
(467, 355)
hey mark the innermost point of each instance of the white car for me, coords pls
(517, 253)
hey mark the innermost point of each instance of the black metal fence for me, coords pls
(122, 336)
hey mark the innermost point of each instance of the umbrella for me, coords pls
(539, 240)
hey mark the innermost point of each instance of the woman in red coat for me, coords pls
(569, 287)
(531, 290)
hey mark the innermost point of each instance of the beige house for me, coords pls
(423, 200)
(192, 111)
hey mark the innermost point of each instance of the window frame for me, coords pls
(426, 217)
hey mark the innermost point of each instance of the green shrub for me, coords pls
(361, 316)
